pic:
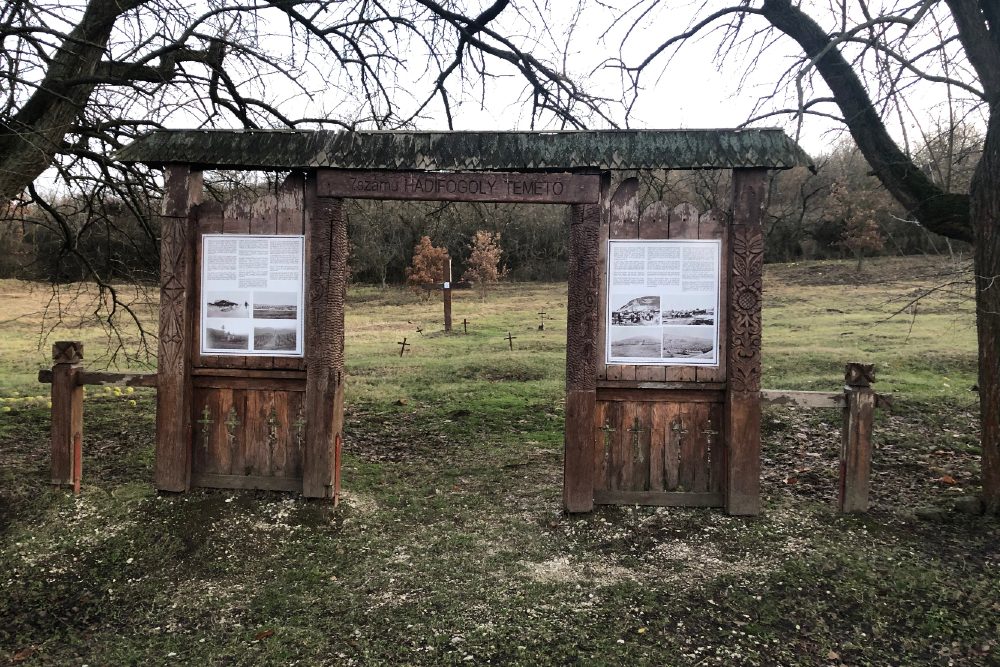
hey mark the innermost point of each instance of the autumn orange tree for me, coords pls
(428, 265)
(483, 266)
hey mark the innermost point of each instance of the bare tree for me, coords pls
(863, 67)
(81, 79)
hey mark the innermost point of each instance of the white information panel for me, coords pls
(251, 295)
(663, 302)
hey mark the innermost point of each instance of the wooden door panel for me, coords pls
(659, 451)
(248, 438)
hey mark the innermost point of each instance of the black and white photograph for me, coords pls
(278, 338)
(635, 311)
(692, 343)
(227, 336)
(632, 343)
(688, 310)
(275, 305)
(230, 304)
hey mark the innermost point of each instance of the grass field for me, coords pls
(450, 547)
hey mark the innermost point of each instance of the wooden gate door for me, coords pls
(659, 429)
(248, 413)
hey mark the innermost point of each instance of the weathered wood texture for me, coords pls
(802, 399)
(659, 429)
(172, 470)
(85, 377)
(67, 414)
(743, 417)
(660, 444)
(481, 186)
(248, 432)
(856, 447)
(623, 223)
(657, 498)
(324, 346)
(582, 346)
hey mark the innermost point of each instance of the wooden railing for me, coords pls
(68, 378)
(857, 400)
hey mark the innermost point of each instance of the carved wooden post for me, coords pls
(324, 345)
(67, 413)
(856, 448)
(582, 330)
(743, 349)
(182, 190)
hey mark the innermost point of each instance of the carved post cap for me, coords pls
(859, 375)
(67, 351)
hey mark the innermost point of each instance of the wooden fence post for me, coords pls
(67, 413)
(856, 448)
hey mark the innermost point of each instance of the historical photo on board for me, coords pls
(275, 305)
(230, 303)
(689, 342)
(688, 310)
(222, 335)
(633, 343)
(276, 338)
(635, 311)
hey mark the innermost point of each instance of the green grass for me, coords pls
(450, 547)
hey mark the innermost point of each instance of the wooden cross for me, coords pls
(635, 430)
(679, 430)
(465, 325)
(272, 429)
(510, 339)
(300, 424)
(608, 429)
(541, 326)
(709, 433)
(206, 422)
(232, 421)
(402, 346)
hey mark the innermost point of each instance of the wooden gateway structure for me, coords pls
(665, 413)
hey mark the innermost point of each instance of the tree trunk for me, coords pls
(985, 212)
(30, 142)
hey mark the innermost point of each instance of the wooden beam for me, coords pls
(182, 190)
(802, 399)
(582, 348)
(494, 186)
(324, 346)
(67, 413)
(659, 498)
(266, 483)
(742, 415)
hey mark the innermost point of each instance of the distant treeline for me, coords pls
(839, 211)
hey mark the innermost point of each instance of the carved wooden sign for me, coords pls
(493, 186)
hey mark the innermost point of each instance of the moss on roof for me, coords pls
(460, 151)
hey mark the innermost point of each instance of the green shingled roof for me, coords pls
(460, 151)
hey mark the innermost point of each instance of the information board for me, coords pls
(663, 302)
(251, 295)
